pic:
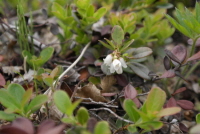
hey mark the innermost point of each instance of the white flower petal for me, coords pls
(119, 71)
(123, 62)
(112, 69)
(105, 69)
(117, 64)
(108, 60)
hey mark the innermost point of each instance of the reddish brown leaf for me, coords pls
(130, 92)
(84, 74)
(183, 127)
(137, 102)
(168, 74)
(24, 124)
(179, 90)
(194, 57)
(172, 56)
(121, 80)
(180, 52)
(171, 102)
(185, 104)
(91, 124)
(1, 58)
(167, 63)
(2, 80)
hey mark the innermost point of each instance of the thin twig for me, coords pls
(94, 102)
(107, 109)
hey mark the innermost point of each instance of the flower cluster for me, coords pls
(112, 64)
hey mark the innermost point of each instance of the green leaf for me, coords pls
(102, 127)
(37, 102)
(140, 52)
(106, 45)
(126, 45)
(17, 91)
(90, 11)
(48, 81)
(8, 116)
(149, 1)
(8, 100)
(58, 11)
(151, 125)
(94, 80)
(198, 118)
(139, 69)
(26, 97)
(62, 101)
(82, 116)
(169, 111)
(155, 100)
(129, 106)
(132, 128)
(46, 54)
(117, 34)
(197, 9)
(71, 109)
(100, 13)
(83, 4)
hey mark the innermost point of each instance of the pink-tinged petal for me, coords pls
(168, 74)
(194, 57)
(130, 92)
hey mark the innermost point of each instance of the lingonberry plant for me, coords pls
(99, 67)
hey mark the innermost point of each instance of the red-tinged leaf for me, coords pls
(194, 57)
(130, 92)
(167, 63)
(23, 124)
(172, 56)
(168, 74)
(185, 104)
(1, 58)
(137, 102)
(179, 90)
(121, 80)
(183, 127)
(2, 80)
(169, 111)
(91, 124)
(171, 102)
(180, 52)
(108, 94)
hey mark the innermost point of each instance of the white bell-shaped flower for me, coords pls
(116, 66)
(108, 60)
(123, 62)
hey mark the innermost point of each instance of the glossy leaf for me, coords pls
(140, 70)
(141, 52)
(169, 111)
(83, 4)
(82, 115)
(129, 106)
(155, 100)
(62, 100)
(117, 34)
(102, 127)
